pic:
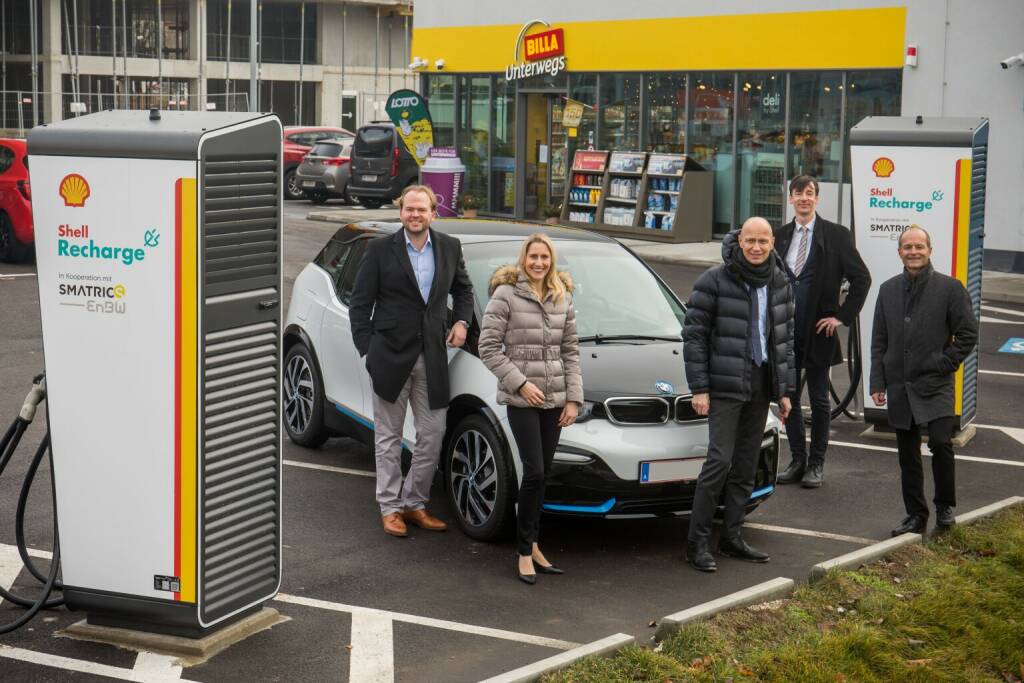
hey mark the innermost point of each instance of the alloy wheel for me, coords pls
(299, 394)
(474, 477)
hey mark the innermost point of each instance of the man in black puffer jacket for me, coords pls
(738, 348)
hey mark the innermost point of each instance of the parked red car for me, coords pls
(16, 234)
(298, 140)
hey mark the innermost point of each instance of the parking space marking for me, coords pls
(11, 276)
(10, 567)
(433, 623)
(926, 452)
(997, 321)
(996, 309)
(1015, 433)
(372, 648)
(80, 665)
(152, 666)
(1001, 372)
(808, 532)
(330, 468)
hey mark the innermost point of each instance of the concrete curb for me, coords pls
(989, 510)
(532, 672)
(762, 592)
(854, 559)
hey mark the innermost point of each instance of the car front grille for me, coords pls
(638, 410)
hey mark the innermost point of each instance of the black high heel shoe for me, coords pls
(550, 569)
(528, 579)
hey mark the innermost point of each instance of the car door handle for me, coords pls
(268, 304)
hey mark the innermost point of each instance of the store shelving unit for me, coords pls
(586, 188)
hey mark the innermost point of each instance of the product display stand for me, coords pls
(657, 197)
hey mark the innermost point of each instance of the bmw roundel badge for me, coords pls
(664, 387)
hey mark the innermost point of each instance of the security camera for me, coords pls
(439, 64)
(1015, 60)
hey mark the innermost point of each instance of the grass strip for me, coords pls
(949, 610)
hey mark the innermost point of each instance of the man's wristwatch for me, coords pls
(463, 323)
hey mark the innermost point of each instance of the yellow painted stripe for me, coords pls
(963, 221)
(833, 39)
(189, 373)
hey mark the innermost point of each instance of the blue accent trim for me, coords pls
(762, 492)
(592, 509)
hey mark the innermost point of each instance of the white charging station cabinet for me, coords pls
(930, 172)
(158, 247)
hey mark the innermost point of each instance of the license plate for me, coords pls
(309, 183)
(661, 471)
(368, 178)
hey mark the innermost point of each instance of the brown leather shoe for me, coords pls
(394, 525)
(423, 520)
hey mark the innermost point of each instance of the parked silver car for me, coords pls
(325, 171)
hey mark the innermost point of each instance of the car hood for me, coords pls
(619, 369)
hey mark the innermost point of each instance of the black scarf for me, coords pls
(753, 276)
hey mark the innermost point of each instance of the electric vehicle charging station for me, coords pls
(158, 243)
(929, 172)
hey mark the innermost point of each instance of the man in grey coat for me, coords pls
(924, 328)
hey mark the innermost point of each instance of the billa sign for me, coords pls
(537, 54)
(408, 111)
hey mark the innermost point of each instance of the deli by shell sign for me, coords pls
(538, 53)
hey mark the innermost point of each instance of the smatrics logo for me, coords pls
(125, 254)
(94, 291)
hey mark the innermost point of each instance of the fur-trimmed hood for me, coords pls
(509, 275)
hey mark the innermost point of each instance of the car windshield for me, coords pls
(615, 295)
(326, 149)
(373, 142)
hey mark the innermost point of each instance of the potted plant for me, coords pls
(469, 203)
(552, 212)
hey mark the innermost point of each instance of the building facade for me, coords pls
(756, 92)
(322, 62)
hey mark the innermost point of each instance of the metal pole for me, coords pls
(227, 65)
(376, 64)
(344, 34)
(3, 63)
(35, 61)
(302, 53)
(406, 55)
(124, 49)
(113, 50)
(259, 60)
(160, 51)
(253, 47)
(77, 73)
(67, 42)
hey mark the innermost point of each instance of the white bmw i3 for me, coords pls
(636, 448)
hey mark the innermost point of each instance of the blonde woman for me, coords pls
(528, 340)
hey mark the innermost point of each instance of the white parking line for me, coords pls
(372, 648)
(986, 319)
(330, 468)
(925, 451)
(996, 309)
(154, 667)
(80, 665)
(1001, 372)
(807, 532)
(1014, 432)
(433, 623)
(9, 276)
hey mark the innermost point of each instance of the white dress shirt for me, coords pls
(794, 243)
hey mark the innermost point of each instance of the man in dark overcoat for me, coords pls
(818, 255)
(924, 327)
(738, 349)
(403, 282)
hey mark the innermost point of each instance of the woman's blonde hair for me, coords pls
(552, 283)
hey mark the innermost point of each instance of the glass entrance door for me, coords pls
(538, 155)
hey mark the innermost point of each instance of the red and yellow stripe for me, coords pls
(961, 243)
(186, 321)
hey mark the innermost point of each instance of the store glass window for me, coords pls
(440, 92)
(711, 140)
(666, 113)
(503, 147)
(815, 128)
(473, 131)
(870, 93)
(583, 88)
(620, 112)
(760, 145)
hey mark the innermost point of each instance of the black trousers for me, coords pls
(736, 429)
(816, 380)
(536, 432)
(940, 443)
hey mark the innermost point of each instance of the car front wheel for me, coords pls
(371, 203)
(319, 198)
(479, 479)
(292, 189)
(302, 393)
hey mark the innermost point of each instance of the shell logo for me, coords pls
(74, 189)
(883, 167)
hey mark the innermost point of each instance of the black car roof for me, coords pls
(471, 231)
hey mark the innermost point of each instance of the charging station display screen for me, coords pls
(895, 187)
(110, 278)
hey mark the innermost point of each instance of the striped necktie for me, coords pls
(801, 252)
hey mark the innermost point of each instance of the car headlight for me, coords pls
(586, 411)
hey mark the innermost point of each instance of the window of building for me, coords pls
(474, 114)
(503, 147)
(293, 102)
(816, 136)
(222, 95)
(711, 139)
(870, 93)
(583, 88)
(440, 92)
(227, 30)
(619, 112)
(283, 39)
(92, 24)
(17, 25)
(97, 93)
(761, 151)
(666, 113)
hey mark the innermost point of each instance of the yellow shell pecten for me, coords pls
(74, 189)
(883, 167)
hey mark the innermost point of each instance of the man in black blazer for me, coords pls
(819, 255)
(403, 282)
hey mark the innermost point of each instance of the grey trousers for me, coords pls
(388, 420)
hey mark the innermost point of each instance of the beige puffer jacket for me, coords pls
(523, 339)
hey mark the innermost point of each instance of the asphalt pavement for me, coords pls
(441, 607)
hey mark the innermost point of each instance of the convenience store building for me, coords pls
(756, 92)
